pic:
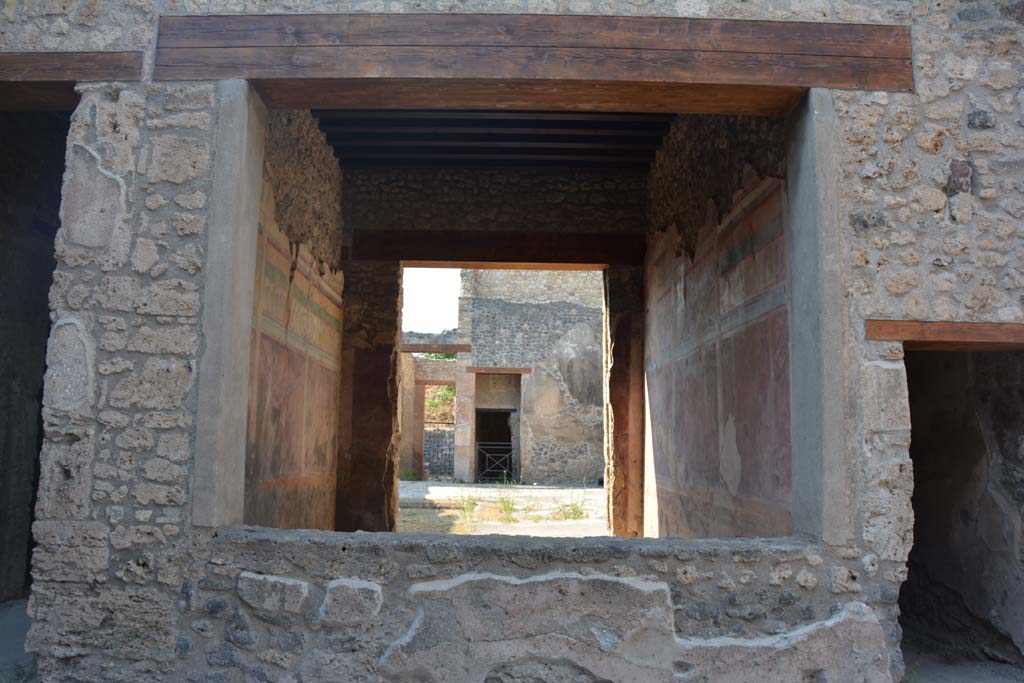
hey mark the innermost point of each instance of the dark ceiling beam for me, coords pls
(498, 247)
(543, 139)
(330, 127)
(473, 115)
(352, 146)
(491, 163)
(475, 155)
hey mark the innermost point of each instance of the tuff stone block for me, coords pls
(884, 398)
(273, 593)
(178, 159)
(69, 382)
(65, 478)
(94, 201)
(348, 602)
(161, 384)
(71, 551)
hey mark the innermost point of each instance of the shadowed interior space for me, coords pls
(963, 596)
(32, 157)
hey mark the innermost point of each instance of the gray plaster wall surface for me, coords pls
(928, 201)
(435, 369)
(498, 392)
(564, 200)
(31, 166)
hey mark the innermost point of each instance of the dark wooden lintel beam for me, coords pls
(435, 348)
(458, 131)
(948, 336)
(45, 81)
(655, 52)
(356, 148)
(519, 94)
(498, 371)
(498, 247)
(575, 64)
(524, 30)
(511, 155)
(70, 67)
(505, 265)
(342, 116)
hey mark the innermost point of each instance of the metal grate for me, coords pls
(495, 461)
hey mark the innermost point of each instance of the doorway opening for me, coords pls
(32, 153)
(961, 605)
(496, 458)
(501, 424)
(598, 285)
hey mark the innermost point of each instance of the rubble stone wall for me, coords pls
(305, 182)
(112, 526)
(439, 451)
(560, 200)
(351, 607)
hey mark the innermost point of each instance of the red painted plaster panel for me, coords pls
(718, 388)
(293, 438)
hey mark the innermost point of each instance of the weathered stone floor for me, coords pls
(934, 667)
(480, 509)
(13, 628)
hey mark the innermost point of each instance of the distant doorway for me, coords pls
(495, 451)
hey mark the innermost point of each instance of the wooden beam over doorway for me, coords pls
(498, 247)
(435, 348)
(544, 62)
(948, 336)
(498, 371)
(519, 95)
(45, 81)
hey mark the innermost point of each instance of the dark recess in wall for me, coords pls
(956, 401)
(31, 168)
